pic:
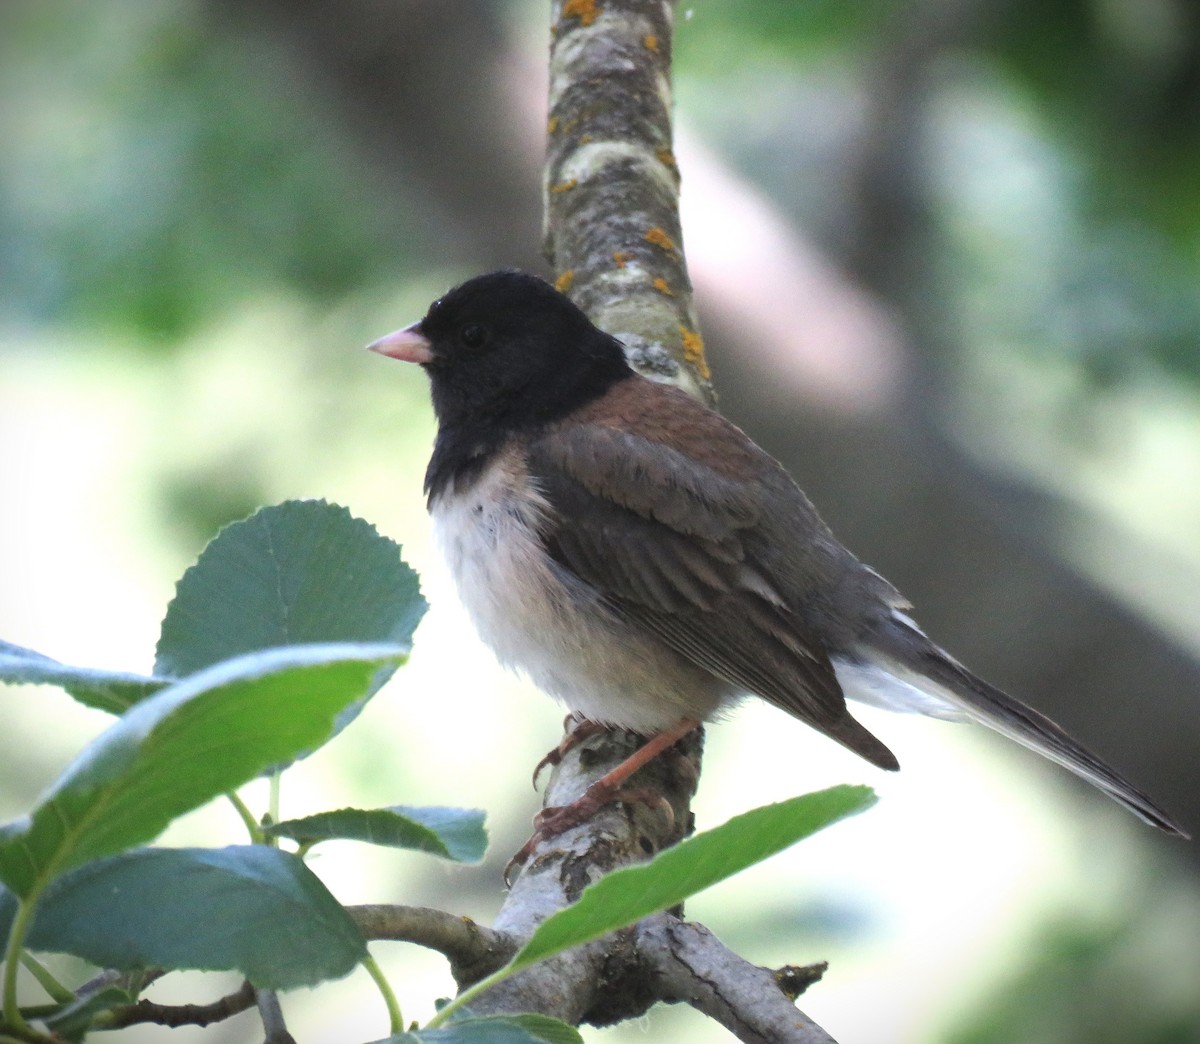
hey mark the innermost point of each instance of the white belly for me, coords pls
(538, 619)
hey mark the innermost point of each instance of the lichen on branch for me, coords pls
(611, 184)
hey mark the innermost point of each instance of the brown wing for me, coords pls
(681, 543)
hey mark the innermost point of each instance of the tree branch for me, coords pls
(135, 980)
(183, 1014)
(473, 950)
(573, 984)
(275, 1030)
(688, 963)
(611, 184)
(663, 958)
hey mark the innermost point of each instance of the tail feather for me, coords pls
(853, 734)
(904, 652)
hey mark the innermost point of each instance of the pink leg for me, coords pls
(551, 822)
(584, 729)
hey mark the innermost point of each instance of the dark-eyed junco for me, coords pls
(642, 560)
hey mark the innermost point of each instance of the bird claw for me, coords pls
(583, 730)
(550, 822)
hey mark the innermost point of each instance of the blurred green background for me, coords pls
(947, 253)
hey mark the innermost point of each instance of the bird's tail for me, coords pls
(898, 653)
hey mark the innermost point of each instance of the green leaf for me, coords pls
(111, 691)
(174, 751)
(301, 571)
(455, 833)
(495, 1029)
(249, 908)
(628, 895)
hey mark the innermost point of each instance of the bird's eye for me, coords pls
(473, 335)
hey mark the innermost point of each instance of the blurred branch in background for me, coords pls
(436, 103)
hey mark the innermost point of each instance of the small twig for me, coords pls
(133, 981)
(795, 979)
(182, 1014)
(276, 1031)
(688, 963)
(473, 950)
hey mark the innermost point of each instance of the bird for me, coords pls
(643, 561)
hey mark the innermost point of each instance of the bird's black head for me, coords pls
(505, 352)
(509, 347)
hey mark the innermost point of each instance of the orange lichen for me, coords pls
(621, 257)
(660, 239)
(564, 186)
(661, 285)
(584, 10)
(552, 125)
(693, 351)
(665, 156)
(584, 139)
(650, 42)
(564, 281)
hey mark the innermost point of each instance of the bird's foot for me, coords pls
(550, 822)
(583, 729)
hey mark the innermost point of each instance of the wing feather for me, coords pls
(674, 545)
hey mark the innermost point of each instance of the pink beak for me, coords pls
(407, 345)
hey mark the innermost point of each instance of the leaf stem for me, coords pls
(469, 994)
(46, 979)
(273, 804)
(12, 963)
(389, 995)
(256, 835)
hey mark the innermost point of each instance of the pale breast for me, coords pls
(541, 620)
